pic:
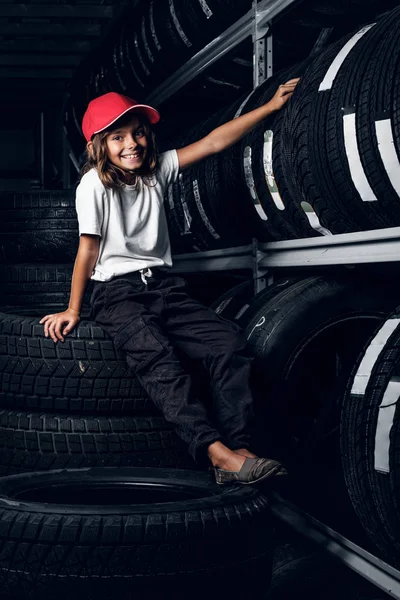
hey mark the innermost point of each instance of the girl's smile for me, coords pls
(127, 145)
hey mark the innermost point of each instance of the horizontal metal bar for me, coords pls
(39, 60)
(50, 29)
(364, 563)
(375, 246)
(62, 46)
(62, 11)
(216, 49)
(37, 73)
(214, 260)
(380, 245)
(358, 237)
(32, 86)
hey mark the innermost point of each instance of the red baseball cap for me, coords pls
(105, 110)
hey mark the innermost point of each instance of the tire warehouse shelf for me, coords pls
(348, 249)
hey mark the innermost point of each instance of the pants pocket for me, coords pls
(140, 342)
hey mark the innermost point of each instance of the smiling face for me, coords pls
(126, 144)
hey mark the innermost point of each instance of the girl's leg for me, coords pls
(126, 314)
(201, 334)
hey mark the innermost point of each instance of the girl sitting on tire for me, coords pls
(124, 247)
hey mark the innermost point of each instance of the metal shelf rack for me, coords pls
(368, 247)
(363, 247)
(254, 23)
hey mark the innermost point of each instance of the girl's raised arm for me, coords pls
(85, 261)
(227, 134)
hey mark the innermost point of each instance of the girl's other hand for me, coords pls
(54, 323)
(283, 93)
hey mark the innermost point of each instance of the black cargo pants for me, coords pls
(149, 318)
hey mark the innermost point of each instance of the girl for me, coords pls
(124, 247)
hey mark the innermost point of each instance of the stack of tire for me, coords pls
(326, 164)
(153, 39)
(150, 42)
(71, 524)
(132, 533)
(370, 438)
(326, 359)
(307, 25)
(67, 405)
(74, 520)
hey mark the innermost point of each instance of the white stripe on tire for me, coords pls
(269, 171)
(239, 110)
(206, 9)
(387, 150)
(333, 70)
(384, 425)
(186, 211)
(248, 174)
(139, 54)
(353, 157)
(371, 356)
(152, 27)
(200, 207)
(178, 26)
(145, 41)
(313, 218)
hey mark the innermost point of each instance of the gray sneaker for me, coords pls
(252, 471)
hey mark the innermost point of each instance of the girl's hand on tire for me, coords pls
(283, 93)
(65, 321)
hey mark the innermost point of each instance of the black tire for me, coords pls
(305, 341)
(304, 157)
(36, 204)
(374, 109)
(233, 303)
(179, 218)
(343, 102)
(230, 200)
(285, 217)
(43, 212)
(85, 374)
(240, 303)
(370, 438)
(51, 245)
(38, 285)
(95, 532)
(203, 224)
(237, 219)
(175, 51)
(39, 442)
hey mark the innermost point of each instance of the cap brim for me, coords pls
(151, 113)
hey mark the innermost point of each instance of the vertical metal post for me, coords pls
(259, 274)
(66, 175)
(42, 151)
(262, 69)
(262, 48)
(269, 54)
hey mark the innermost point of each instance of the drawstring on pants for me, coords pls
(145, 274)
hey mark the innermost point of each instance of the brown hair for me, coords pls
(112, 176)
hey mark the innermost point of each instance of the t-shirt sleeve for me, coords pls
(169, 167)
(90, 198)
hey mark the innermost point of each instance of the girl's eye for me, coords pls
(117, 138)
(139, 133)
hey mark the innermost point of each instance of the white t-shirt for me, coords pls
(130, 221)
